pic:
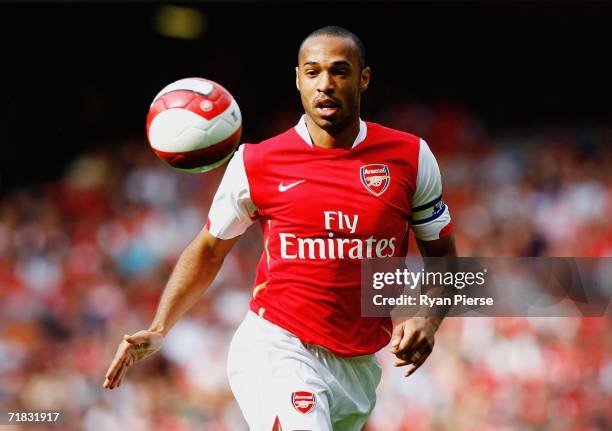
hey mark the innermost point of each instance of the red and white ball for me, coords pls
(194, 125)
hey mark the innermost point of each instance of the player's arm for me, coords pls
(194, 271)
(413, 338)
(231, 213)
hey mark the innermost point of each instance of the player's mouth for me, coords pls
(327, 107)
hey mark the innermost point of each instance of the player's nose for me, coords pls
(326, 83)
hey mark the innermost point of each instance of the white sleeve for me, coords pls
(429, 212)
(232, 210)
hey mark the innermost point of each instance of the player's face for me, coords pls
(330, 81)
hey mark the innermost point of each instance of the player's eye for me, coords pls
(311, 72)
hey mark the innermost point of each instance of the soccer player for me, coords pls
(328, 193)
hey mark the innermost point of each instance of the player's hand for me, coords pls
(412, 342)
(132, 349)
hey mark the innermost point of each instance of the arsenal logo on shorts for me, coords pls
(304, 402)
(375, 178)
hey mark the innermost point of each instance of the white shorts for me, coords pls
(281, 383)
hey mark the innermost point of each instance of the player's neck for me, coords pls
(324, 139)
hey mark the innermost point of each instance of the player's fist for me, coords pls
(132, 349)
(412, 342)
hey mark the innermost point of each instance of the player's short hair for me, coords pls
(334, 30)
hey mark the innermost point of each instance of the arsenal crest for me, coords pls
(303, 402)
(375, 178)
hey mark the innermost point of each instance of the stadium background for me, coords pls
(512, 97)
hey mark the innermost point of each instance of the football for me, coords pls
(194, 125)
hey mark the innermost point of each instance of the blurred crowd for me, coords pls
(83, 260)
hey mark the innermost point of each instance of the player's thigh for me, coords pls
(354, 422)
(355, 395)
(273, 383)
(287, 402)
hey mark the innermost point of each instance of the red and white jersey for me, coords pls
(322, 211)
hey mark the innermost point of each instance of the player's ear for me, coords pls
(366, 73)
(297, 80)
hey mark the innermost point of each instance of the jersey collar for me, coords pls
(302, 130)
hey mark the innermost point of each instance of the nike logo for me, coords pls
(284, 188)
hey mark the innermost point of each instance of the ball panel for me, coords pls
(204, 158)
(178, 130)
(225, 124)
(179, 99)
(198, 85)
(193, 102)
(207, 108)
(232, 114)
(157, 107)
